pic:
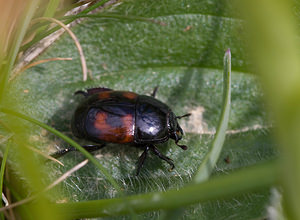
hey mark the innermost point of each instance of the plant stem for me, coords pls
(71, 142)
(213, 154)
(16, 43)
(2, 172)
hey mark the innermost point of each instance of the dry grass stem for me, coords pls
(45, 155)
(79, 48)
(60, 179)
(36, 63)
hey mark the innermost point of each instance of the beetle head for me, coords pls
(175, 131)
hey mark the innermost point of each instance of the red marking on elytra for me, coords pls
(129, 95)
(129, 124)
(104, 95)
(122, 134)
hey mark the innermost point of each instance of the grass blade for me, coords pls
(76, 41)
(16, 44)
(246, 180)
(47, 33)
(3, 163)
(51, 8)
(71, 142)
(213, 154)
(274, 34)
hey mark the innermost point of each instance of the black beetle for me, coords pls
(109, 116)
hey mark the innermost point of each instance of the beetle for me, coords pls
(111, 116)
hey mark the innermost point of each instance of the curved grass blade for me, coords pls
(70, 141)
(212, 156)
(76, 41)
(246, 180)
(47, 33)
(119, 17)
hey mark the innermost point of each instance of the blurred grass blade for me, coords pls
(246, 180)
(21, 29)
(94, 6)
(213, 154)
(51, 8)
(274, 32)
(39, 194)
(49, 12)
(3, 164)
(32, 170)
(71, 142)
(24, 209)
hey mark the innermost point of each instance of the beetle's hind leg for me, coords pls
(62, 152)
(154, 91)
(141, 160)
(89, 148)
(163, 157)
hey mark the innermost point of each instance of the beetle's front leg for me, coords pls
(163, 157)
(141, 160)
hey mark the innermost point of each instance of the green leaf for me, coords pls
(185, 59)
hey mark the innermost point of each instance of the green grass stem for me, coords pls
(213, 154)
(70, 141)
(3, 164)
(16, 44)
(52, 30)
(246, 180)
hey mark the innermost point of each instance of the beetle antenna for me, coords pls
(183, 147)
(182, 116)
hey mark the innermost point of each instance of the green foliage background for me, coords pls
(184, 58)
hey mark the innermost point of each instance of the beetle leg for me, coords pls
(163, 157)
(89, 148)
(182, 116)
(154, 91)
(183, 147)
(142, 160)
(62, 152)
